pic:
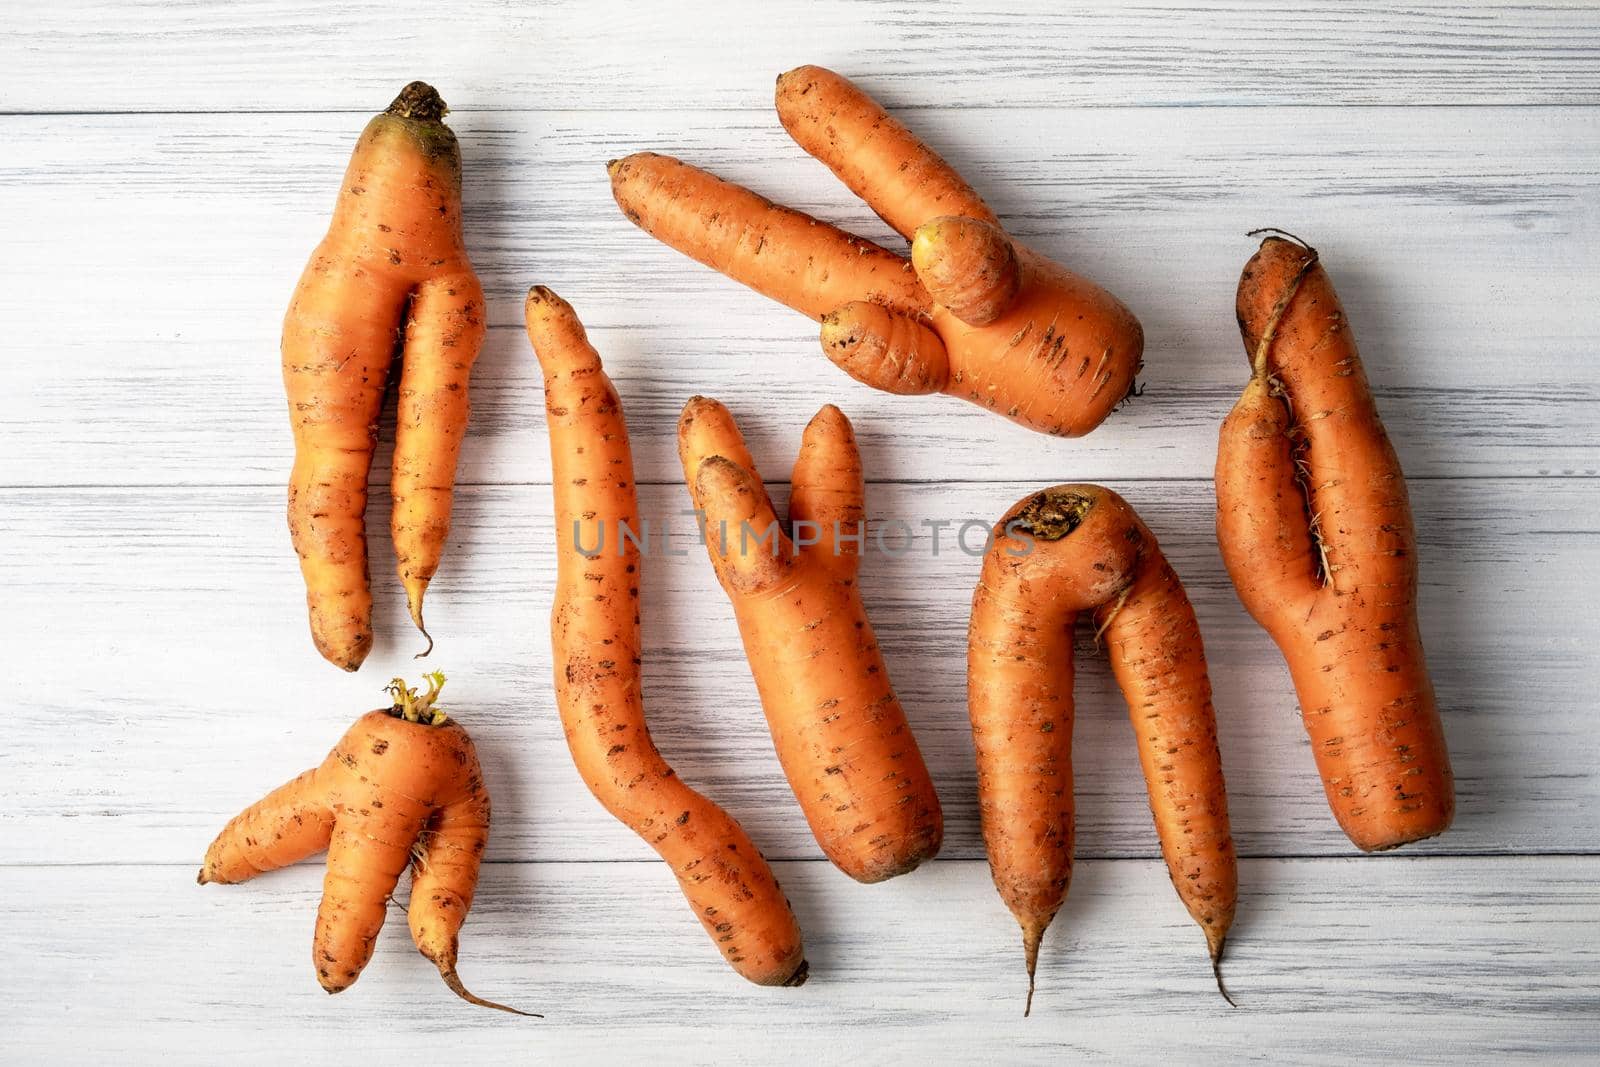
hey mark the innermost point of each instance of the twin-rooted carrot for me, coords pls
(839, 730)
(1315, 528)
(596, 655)
(1059, 553)
(390, 280)
(971, 313)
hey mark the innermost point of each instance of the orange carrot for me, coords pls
(391, 276)
(594, 631)
(1315, 529)
(972, 313)
(401, 788)
(777, 251)
(1066, 550)
(838, 727)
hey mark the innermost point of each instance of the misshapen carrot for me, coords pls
(972, 313)
(596, 648)
(777, 251)
(390, 276)
(1315, 528)
(840, 733)
(401, 788)
(1058, 553)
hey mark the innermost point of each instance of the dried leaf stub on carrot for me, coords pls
(401, 788)
(596, 649)
(390, 280)
(1315, 528)
(1058, 553)
(971, 313)
(839, 730)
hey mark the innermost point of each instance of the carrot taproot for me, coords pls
(390, 278)
(971, 313)
(881, 161)
(777, 251)
(401, 788)
(596, 650)
(839, 730)
(1058, 553)
(1315, 528)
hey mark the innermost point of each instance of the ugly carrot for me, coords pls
(1058, 553)
(838, 728)
(1315, 527)
(596, 654)
(391, 277)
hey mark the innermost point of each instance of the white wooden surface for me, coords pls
(165, 170)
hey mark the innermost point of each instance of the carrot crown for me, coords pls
(1053, 514)
(419, 101)
(413, 708)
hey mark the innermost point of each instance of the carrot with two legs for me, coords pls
(1059, 553)
(1315, 527)
(839, 730)
(390, 280)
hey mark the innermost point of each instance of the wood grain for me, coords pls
(1480, 367)
(169, 637)
(1448, 961)
(168, 167)
(584, 54)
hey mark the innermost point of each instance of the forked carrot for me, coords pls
(1058, 553)
(1315, 528)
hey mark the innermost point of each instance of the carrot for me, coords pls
(594, 630)
(1057, 553)
(972, 313)
(1315, 528)
(401, 788)
(838, 727)
(390, 278)
(777, 251)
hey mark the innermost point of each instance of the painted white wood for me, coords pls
(1458, 263)
(1444, 961)
(582, 54)
(172, 644)
(166, 169)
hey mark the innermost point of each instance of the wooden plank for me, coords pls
(163, 631)
(1480, 366)
(1452, 960)
(300, 55)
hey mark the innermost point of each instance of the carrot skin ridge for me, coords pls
(839, 731)
(597, 648)
(390, 275)
(1309, 485)
(1057, 554)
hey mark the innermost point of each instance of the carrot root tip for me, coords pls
(454, 982)
(798, 978)
(1032, 935)
(1216, 971)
